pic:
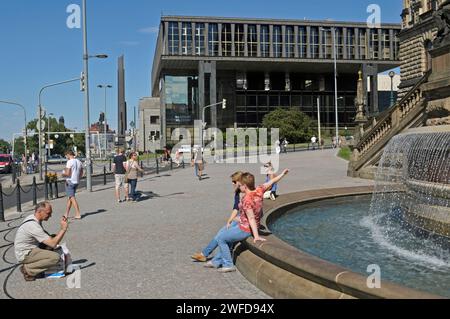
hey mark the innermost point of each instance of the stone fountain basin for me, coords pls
(437, 189)
(283, 271)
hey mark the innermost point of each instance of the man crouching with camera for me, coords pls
(34, 247)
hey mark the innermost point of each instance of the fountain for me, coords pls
(413, 183)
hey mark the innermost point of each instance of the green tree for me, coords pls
(5, 147)
(294, 125)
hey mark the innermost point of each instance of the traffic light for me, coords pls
(224, 104)
(82, 82)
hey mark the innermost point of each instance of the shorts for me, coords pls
(120, 180)
(200, 166)
(71, 189)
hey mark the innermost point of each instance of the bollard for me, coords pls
(142, 167)
(50, 187)
(56, 190)
(157, 166)
(2, 211)
(34, 191)
(184, 165)
(14, 176)
(110, 165)
(19, 201)
(104, 175)
(171, 164)
(46, 187)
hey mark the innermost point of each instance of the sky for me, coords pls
(37, 48)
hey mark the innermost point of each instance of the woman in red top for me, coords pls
(250, 215)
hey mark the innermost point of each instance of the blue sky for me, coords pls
(37, 48)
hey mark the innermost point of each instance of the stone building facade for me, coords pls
(416, 38)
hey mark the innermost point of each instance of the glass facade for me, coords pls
(290, 42)
(265, 41)
(351, 50)
(239, 40)
(226, 40)
(252, 41)
(279, 41)
(213, 39)
(186, 38)
(314, 43)
(199, 39)
(174, 38)
(302, 42)
(181, 99)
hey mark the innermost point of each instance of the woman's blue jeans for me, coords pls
(133, 185)
(226, 239)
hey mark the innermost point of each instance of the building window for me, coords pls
(213, 39)
(302, 42)
(290, 42)
(239, 40)
(174, 39)
(396, 46)
(350, 44)
(314, 40)
(327, 43)
(186, 38)
(200, 39)
(181, 98)
(339, 43)
(265, 41)
(252, 41)
(154, 120)
(226, 40)
(374, 44)
(385, 45)
(277, 42)
(362, 44)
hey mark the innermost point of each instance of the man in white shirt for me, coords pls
(30, 235)
(314, 141)
(73, 172)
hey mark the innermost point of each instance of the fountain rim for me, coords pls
(281, 264)
(427, 130)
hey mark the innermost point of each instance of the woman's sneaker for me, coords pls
(209, 264)
(227, 269)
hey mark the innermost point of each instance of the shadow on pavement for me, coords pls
(100, 211)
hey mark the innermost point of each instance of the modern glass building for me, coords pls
(259, 65)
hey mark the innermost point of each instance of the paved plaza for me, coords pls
(142, 250)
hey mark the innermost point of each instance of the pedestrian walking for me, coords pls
(198, 162)
(132, 171)
(119, 174)
(73, 172)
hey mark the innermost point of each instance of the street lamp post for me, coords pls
(25, 132)
(39, 123)
(86, 99)
(333, 31)
(106, 87)
(392, 75)
(318, 119)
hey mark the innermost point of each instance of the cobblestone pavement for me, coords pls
(142, 250)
